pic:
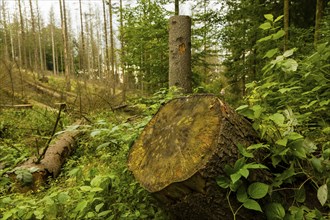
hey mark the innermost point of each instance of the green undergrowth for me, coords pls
(95, 182)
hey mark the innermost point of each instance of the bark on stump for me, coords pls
(50, 166)
(182, 150)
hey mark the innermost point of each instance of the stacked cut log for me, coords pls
(184, 148)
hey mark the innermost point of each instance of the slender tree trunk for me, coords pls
(286, 23)
(318, 18)
(176, 6)
(23, 60)
(112, 51)
(180, 53)
(106, 40)
(82, 55)
(122, 52)
(65, 41)
(4, 22)
(35, 52)
(39, 40)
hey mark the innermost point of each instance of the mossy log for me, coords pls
(184, 148)
(31, 175)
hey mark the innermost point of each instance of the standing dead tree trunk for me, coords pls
(180, 53)
(184, 148)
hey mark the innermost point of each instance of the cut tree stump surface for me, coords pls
(184, 148)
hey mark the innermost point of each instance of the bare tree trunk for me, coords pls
(66, 47)
(39, 41)
(176, 7)
(82, 55)
(318, 18)
(4, 22)
(286, 23)
(23, 60)
(180, 53)
(122, 52)
(35, 52)
(106, 40)
(112, 51)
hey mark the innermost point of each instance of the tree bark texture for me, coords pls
(286, 11)
(50, 165)
(184, 148)
(318, 18)
(180, 53)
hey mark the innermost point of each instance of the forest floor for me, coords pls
(94, 182)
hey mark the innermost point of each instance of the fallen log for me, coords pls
(30, 175)
(19, 106)
(184, 148)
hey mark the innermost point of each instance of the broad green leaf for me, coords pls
(63, 197)
(243, 151)
(104, 213)
(96, 181)
(271, 53)
(258, 190)
(241, 107)
(244, 172)
(269, 17)
(99, 206)
(81, 206)
(239, 164)
(235, 177)
(241, 194)
(255, 166)
(265, 38)
(252, 204)
(317, 164)
(7, 215)
(289, 53)
(300, 194)
(85, 188)
(265, 26)
(322, 194)
(284, 90)
(257, 146)
(257, 109)
(278, 34)
(294, 136)
(275, 211)
(282, 142)
(289, 65)
(309, 104)
(277, 118)
(278, 18)
(223, 182)
(89, 215)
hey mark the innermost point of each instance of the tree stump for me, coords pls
(182, 150)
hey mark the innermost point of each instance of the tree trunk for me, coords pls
(184, 148)
(176, 7)
(180, 53)
(286, 23)
(112, 51)
(30, 175)
(318, 18)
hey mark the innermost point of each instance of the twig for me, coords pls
(52, 135)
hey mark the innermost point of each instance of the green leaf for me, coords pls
(265, 38)
(243, 151)
(81, 206)
(252, 204)
(322, 194)
(278, 34)
(257, 110)
(277, 118)
(255, 166)
(265, 26)
(300, 195)
(223, 182)
(289, 53)
(294, 136)
(244, 172)
(317, 164)
(258, 190)
(104, 213)
(235, 177)
(257, 146)
(269, 17)
(271, 53)
(241, 194)
(99, 206)
(85, 188)
(63, 197)
(275, 211)
(278, 18)
(282, 142)
(289, 65)
(239, 164)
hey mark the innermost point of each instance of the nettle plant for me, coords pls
(289, 107)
